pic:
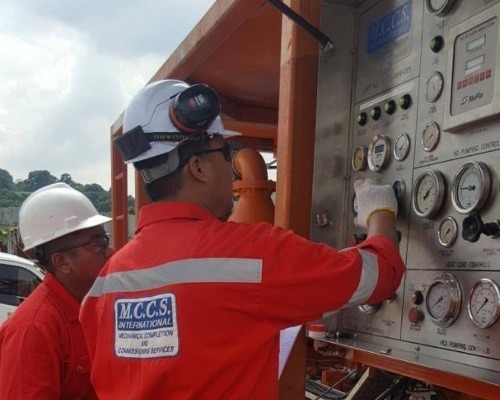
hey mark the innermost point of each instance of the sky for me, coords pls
(68, 69)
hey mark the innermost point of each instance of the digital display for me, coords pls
(379, 148)
(474, 44)
(474, 64)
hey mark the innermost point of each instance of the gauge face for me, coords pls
(379, 152)
(428, 194)
(484, 303)
(402, 147)
(430, 136)
(447, 232)
(434, 87)
(471, 187)
(443, 300)
(439, 7)
(359, 157)
(369, 308)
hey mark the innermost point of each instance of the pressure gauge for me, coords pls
(369, 308)
(434, 87)
(402, 147)
(399, 187)
(447, 231)
(359, 157)
(443, 300)
(471, 187)
(379, 152)
(439, 7)
(428, 194)
(430, 136)
(354, 206)
(484, 303)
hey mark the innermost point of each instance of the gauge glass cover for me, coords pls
(428, 194)
(439, 7)
(471, 187)
(484, 303)
(447, 232)
(402, 147)
(379, 152)
(443, 300)
(359, 157)
(430, 136)
(434, 87)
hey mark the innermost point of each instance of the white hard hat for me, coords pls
(169, 111)
(54, 211)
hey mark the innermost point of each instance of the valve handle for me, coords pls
(473, 226)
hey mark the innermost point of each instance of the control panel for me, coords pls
(413, 100)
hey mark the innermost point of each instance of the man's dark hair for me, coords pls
(165, 187)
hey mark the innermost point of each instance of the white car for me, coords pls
(18, 278)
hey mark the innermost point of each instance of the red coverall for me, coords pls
(43, 354)
(192, 308)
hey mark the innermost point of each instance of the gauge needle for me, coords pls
(437, 302)
(427, 193)
(470, 187)
(446, 233)
(482, 305)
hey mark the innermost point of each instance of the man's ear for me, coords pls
(197, 169)
(61, 262)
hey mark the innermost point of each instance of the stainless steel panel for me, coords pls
(378, 63)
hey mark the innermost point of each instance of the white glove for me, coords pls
(372, 197)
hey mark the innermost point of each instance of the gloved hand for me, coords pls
(372, 197)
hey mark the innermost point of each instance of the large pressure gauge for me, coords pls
(443, 300)
(428, 194)
(439, 7)
(471, 187)
(379, 152)
(484, 303)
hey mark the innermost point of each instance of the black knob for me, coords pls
(473, 226)
(436, 43)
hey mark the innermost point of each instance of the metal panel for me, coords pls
(398, 58)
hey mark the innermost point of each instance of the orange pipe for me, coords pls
(253, 190)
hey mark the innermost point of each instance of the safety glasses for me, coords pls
(225, 150)
(96, 244)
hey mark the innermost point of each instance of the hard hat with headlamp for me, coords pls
(54, 211)
(165, 123)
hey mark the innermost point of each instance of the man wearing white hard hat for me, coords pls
(193, 306)
(43, 353)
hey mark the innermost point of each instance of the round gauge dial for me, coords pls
(369, 308)
(379, 152)
(359, 158)
(430, 136)
(434, 87)
(428, 194)
(484, 303)
(471, 187)
(443, 300)
(354, 205)
(402, 147)
(447, 231)
(439, 7)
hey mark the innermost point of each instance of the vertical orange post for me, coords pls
(295, 153)
(119, 207)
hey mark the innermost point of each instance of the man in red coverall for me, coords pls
(43, 353)
(193, 306)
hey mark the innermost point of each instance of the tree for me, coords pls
(67, 179)
(37, 180)
(6, 181)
